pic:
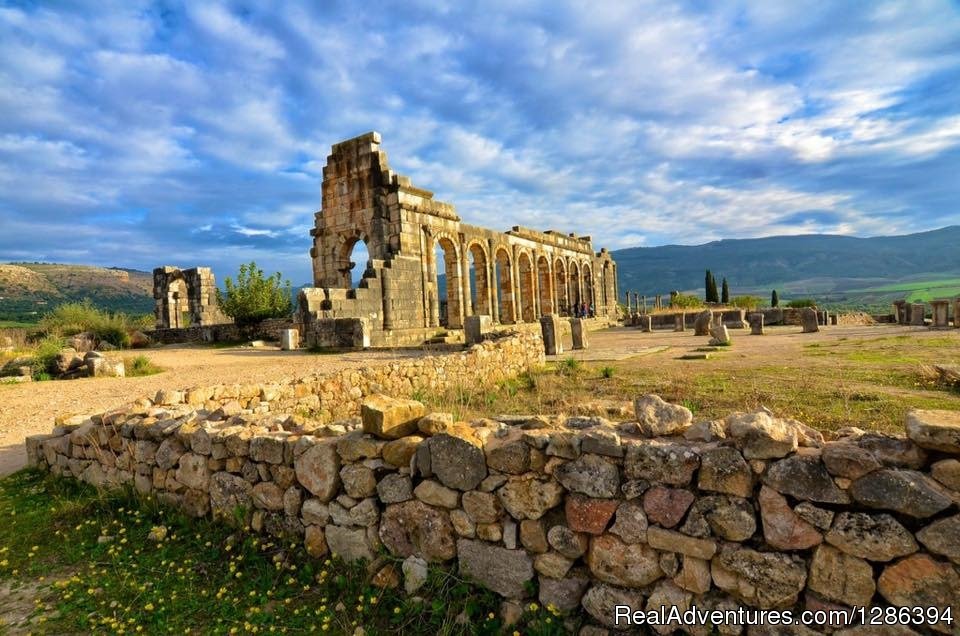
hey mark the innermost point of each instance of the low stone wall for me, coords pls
(229, 332)
(579, 512)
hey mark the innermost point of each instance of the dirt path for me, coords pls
(28, 409)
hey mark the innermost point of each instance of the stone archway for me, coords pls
(545, 286)
(504, 275)
(588, 287)
(576, 293)
(479, 279)
(347, 251)
(560, 286)
(450, 312)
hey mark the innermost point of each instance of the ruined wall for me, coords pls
(515, 276)
(581, 512)
(185, 298)
(227, 332)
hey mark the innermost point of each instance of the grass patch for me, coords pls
(96, 571)
(140, 366)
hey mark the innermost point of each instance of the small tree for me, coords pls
(774, 299)
(707, 277)
(725, 293)
(254, 298)
(712, 295)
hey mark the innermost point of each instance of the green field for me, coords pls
(920, 291)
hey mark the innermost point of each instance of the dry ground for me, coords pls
(27, 409)
(866, 376)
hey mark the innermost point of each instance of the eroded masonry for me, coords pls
(428, 270)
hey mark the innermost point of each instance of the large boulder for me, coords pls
(840, 577)
(760, 579)
(456, 460)
(724, 470)
(414, 528)
(630, 565)
(935, 430)
(318, 469)
(526, 498)
(601, 602)
(782, 527)
(804, 478)
(920, 581)
(943, 537)
(590, 475)
(657, 417)
(506, 572)
(663, 462)
(761, 436)
(877, 537)
(905, 491)
(390, 418)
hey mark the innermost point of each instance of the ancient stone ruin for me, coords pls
(186, 297)
(577, 512)
(427, 269)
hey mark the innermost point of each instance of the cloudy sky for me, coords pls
(139, 134)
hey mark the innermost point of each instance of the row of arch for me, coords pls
(512, 286)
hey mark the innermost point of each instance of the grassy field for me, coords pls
(73, 560)
(869, 383)
(921, 291)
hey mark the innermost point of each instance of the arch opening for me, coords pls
(560, 285)
(528, 309)
(503, 274)
(479, 280)
(545, 286)
(446, 278)
(353, 261)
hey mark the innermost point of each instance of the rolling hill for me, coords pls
(27, 290)
(843, 270)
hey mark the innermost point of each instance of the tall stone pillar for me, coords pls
(900, 312)
(679, 322)
(550, 328)
(941, 313)
(578, 331)
(918, 314)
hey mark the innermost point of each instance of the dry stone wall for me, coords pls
(580, 512)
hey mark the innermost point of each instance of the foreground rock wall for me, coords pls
(580, 512)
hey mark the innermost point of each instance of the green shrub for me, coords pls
(745, 302)
(140, 366)
(800, 303)
(686, 301)
(70, 319)
(569, 366)
(253, 297)
(45, 355)
(607, 372)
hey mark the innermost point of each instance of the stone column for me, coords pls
(646, 323)
(464, 264)
(475, 326)
(579, 332)
(643, 304)
(679, 321)
(917, 313)
(808, 319)
(941, 313)
(289, 339)
(900, 312)
(756, 324)
(550, 328)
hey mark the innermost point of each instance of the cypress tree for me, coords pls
(774, 299)
(706, 285)
(712, 295)
(725, 297)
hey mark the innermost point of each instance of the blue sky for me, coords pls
(140, 134)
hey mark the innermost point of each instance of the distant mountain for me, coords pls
(812, 264)
(27, 290)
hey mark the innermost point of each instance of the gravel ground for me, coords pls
(28, 409)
